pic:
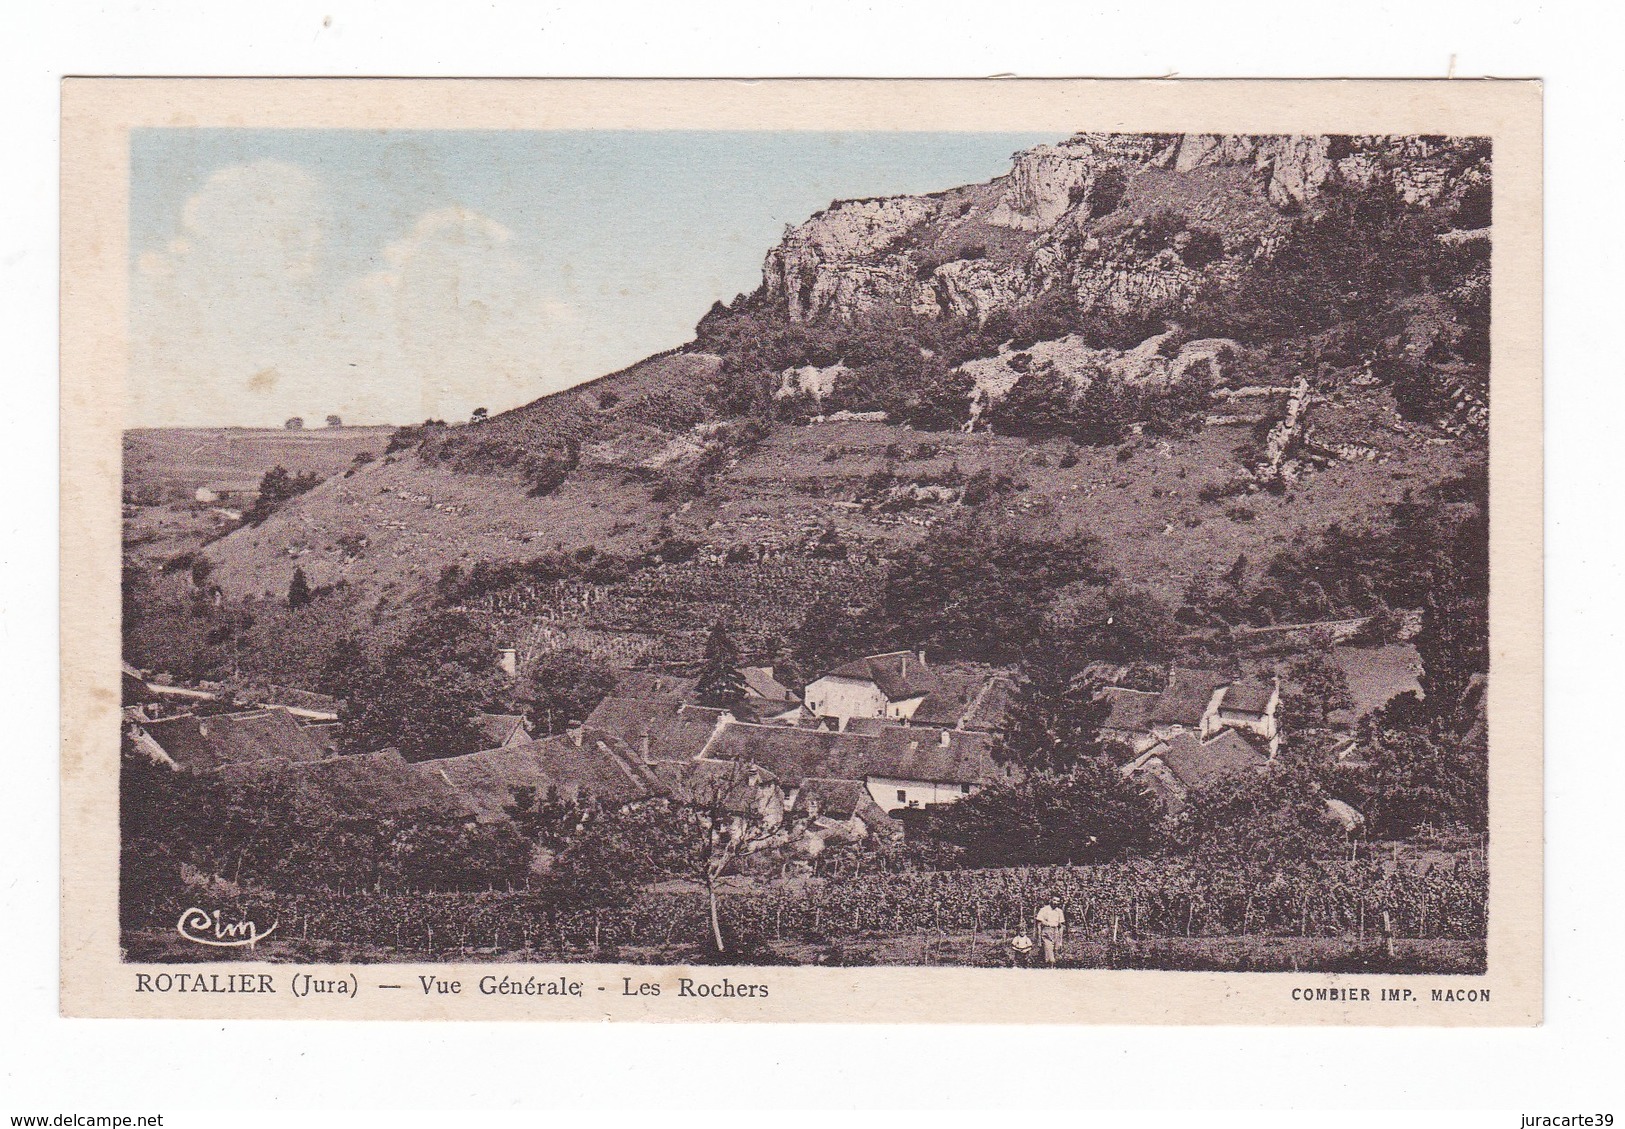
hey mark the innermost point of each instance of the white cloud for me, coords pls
(239, 319)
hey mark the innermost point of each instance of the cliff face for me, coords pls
(1067, 217)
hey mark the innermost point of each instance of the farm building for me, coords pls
(1174, 767)
(1250, 705)
(1189, 702)
(838, 809)
(1129, 719)
(891, 685)
(653, 684)
(377, 785)
(1202, 702)
(752, 793)
(660, 729)
(987, 709)
(767, 697)
(916, 766)
(208, 743)
(584, 767)
(900, 766)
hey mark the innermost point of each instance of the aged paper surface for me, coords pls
(1187, 405)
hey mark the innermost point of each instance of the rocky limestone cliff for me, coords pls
(971, 251)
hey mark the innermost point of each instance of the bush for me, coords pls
(277, 487)
(1203, 247)
(1105, 193)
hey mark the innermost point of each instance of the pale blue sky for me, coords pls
(393, 274)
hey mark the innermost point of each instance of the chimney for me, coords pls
(575, 734)
(905, 664)
(944, 738)
(508, 660)
(922, 658)
(643, 746)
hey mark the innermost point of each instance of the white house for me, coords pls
(1200, 702)
(890, 686)
(900, 766)
(1252, 706)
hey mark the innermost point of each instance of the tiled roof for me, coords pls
(918, 752)
(738, 787)
(498, 728)
(1187, 696)
(652, 684)
(485, 780)
(833, 799)
(1249, 696)
(675, 731)
(369, 785)
(1198, 763)
(760, 683)
(791, 754)
(1130, 709)
(206, 743)
(900, 752)
(900, 675)
(986, 711)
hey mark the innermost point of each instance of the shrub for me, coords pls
(1202, 248)
(1105, 193)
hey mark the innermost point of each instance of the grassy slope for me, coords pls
(418, 516)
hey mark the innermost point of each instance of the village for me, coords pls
(860, 750)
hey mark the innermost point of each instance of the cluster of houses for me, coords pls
(871, 739)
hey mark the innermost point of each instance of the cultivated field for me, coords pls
(170, 463)
(1327, 916)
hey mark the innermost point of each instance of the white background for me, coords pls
(48, 1065)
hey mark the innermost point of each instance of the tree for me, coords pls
(975, 588)
(718, 813)
(1120, 623)
(298, 589)
(334, 421)
(423, 696)
(479, 415)
(827, 635)
(1054, 720)
(564, 686)
(1086, 815)
(1454, 640)
(1106, 191)
(544, 819)
(277, 487)
(720, 684)
(294, 423)
(1316, 688)
(1202, 248)
(1277, 817)
(1039, 405)
(1422, 772)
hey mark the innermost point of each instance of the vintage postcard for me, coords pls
(865, 551)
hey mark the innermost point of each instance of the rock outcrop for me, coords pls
(971, 251)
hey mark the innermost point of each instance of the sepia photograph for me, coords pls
(569, 549)
(1064, 551)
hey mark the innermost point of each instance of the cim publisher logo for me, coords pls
(202, 927)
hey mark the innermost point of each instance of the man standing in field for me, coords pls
(1051, 921)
